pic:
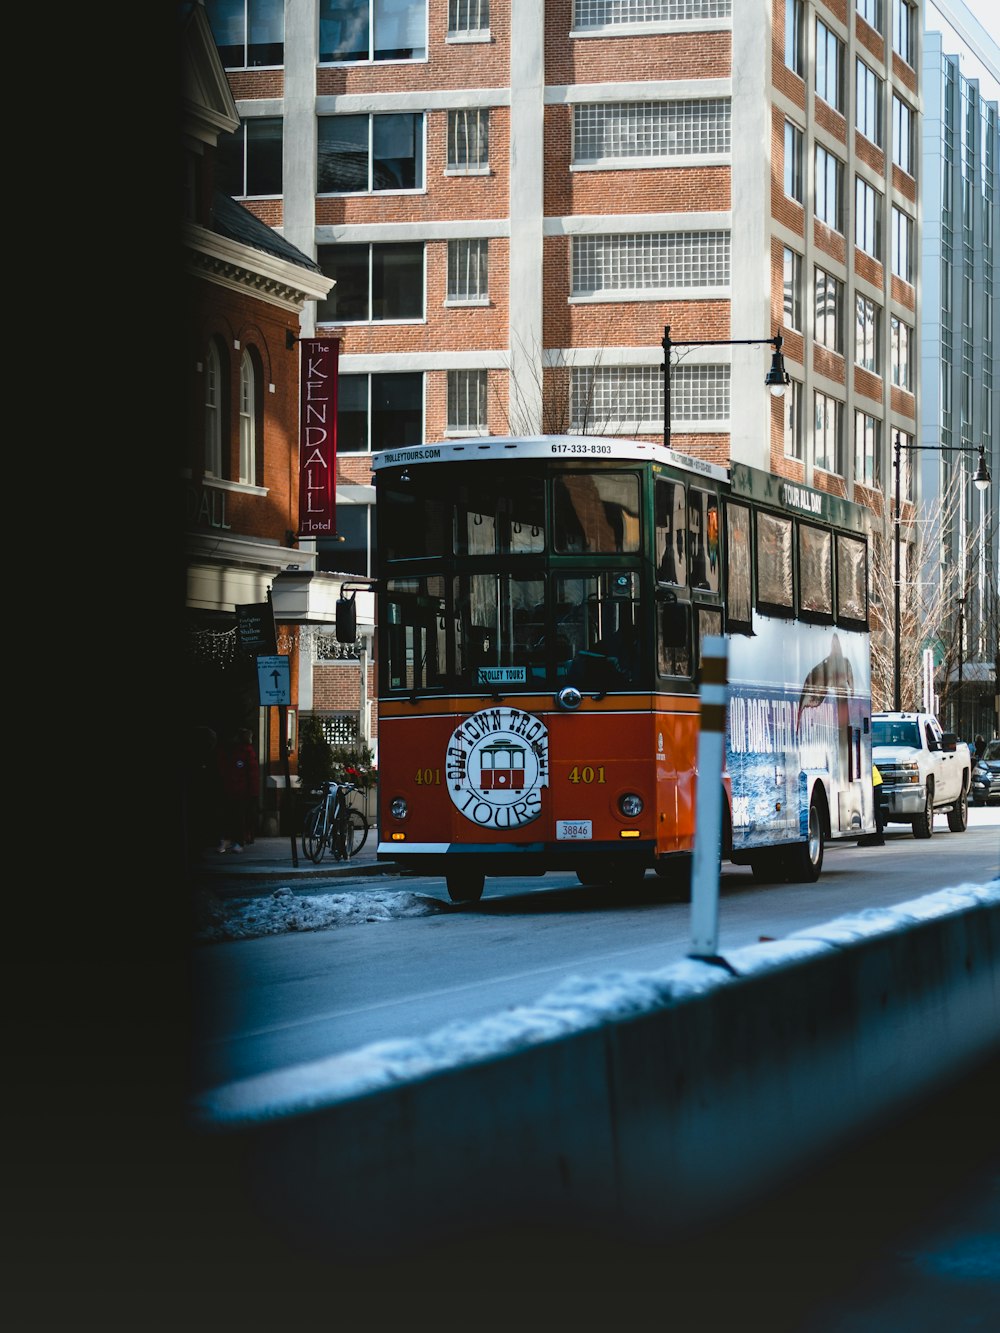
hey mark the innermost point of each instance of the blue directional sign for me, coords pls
(273, 680)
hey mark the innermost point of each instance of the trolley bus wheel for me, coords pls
(803, 863)
(464, 886)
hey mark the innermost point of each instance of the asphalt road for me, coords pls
(268, 1003)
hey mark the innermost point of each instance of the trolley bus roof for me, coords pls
(569, 447)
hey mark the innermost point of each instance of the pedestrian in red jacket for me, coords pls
(239, 779)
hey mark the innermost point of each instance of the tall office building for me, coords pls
(516, 197)
(960, 382)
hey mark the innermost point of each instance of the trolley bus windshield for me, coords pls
(572, 581)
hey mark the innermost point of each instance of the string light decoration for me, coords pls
(217, 646)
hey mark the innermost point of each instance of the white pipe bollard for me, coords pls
(706, 863)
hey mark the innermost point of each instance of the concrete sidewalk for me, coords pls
(270, 860)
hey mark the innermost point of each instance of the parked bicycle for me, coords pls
(334, 824)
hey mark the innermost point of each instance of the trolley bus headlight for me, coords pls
(398, 808)
(630, 804)
(569, 698)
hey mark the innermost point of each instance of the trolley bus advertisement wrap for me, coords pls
(781, 739)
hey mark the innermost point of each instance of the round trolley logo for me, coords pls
(497, 764)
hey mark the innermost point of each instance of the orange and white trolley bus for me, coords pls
(541, 605)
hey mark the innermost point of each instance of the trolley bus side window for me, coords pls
(673, 635)
(815, 573)
(775, 585)
(670, 510)
(415, 638)
(416, 523)
(703, 539)
(852, 581)
(739, 579)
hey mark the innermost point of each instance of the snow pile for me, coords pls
(284, 910)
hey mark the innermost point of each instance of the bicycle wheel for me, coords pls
(314, 833)
(340, 834)
(358, 831)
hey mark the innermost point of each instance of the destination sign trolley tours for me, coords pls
(542, 602)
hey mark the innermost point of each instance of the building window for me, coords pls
(699, 393)
(608, 13)
(829, 189)
(793, 162)
(867, 218)
(829, 67)
(902, 373)
(373, 283)
(902, 135)
(792, 410)
(829, 311)
(379, 411)
(867, 334)
(794, 33)
(352, 30)
(867, 433)
(467, 271)
(827, 445)
(467, 401)
(617, 397)
(248, 420)
(468, 16)
(902, 245)
(649, 263)
(469, 140)
(792, 281)
(868, 111)
(871, 12)
(213, 411)
(904, 30)
(610, 132)
(248, 33)
(248, 163)
(906, 470)
(369, 153)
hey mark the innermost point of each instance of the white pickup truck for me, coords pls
(924, 771)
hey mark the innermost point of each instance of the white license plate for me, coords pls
(570, 829)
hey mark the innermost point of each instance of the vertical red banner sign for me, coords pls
(318, 437)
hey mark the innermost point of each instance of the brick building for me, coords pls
(515, 199)
(243, 290)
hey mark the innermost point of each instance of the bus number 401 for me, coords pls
(428, 777)
(587, 774)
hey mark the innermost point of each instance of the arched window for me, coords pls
(213, 412)
(248, 420)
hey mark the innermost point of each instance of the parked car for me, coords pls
(986, 776)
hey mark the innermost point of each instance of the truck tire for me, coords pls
(923, 824)
(958, 815)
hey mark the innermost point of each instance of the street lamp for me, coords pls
(981, 480)
(775, 379)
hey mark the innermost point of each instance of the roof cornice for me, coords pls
(242, 268)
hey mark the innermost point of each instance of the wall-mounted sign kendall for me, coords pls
(496, 765)
(318, 437)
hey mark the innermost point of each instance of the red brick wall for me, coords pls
(240, 317)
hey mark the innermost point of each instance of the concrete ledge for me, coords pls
(682, 1095)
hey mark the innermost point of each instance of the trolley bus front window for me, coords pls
(493, 522)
